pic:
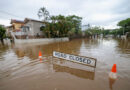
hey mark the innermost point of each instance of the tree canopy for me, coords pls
(124, 26)
(43, 13)
(124, 23)
(59, 25)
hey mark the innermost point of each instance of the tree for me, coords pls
(93, 31)
(114, 32)
(124, 26)
(2, 34)
(43, 13)
(59, 26)
(124, 23)
(75, 22)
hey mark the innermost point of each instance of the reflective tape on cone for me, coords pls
(112, 75)
(40, 55)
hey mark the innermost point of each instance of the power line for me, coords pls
(5, 18)
(10, 14)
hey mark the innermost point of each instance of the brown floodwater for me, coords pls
(21, 69)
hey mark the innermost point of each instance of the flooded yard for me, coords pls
(21, 69)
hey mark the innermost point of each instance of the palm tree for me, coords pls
(43, 13)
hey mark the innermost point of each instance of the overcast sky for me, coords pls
(104, 13)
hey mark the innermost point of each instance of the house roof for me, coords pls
(25, 21)
(16, 21)
(29, 19)
(9, 26)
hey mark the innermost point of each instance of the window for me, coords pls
(27, 28)
(42, 27)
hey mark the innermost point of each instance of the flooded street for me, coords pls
(21, 69)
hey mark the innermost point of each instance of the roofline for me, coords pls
(29, 19)
(25, 21)
(16, 21)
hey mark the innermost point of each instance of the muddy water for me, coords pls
(20, 68)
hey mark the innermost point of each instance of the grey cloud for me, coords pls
(123, 7)
(97, 12)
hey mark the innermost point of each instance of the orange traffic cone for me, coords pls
(112, 74)
(40, 55)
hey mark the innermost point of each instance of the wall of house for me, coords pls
(17, 25)
(8, 30)
(34, 28)
(31, 31)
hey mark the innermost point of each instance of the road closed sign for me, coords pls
(74, 58)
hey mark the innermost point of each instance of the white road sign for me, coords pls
(79, 59)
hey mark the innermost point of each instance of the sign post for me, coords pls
(78, 59)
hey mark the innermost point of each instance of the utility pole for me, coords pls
(124, 29)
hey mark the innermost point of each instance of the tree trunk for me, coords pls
(2, 41)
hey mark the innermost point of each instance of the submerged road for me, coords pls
(21, 69)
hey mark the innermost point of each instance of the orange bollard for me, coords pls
(113, 72)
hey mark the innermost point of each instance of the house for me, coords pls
(15, 27)
(29, 28)
(16, 24)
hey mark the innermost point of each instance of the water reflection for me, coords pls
(91, 43)
(111, 82)
(3, 49)
(17, 61)
(123, 46)
(77, 72)
(32, 51)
